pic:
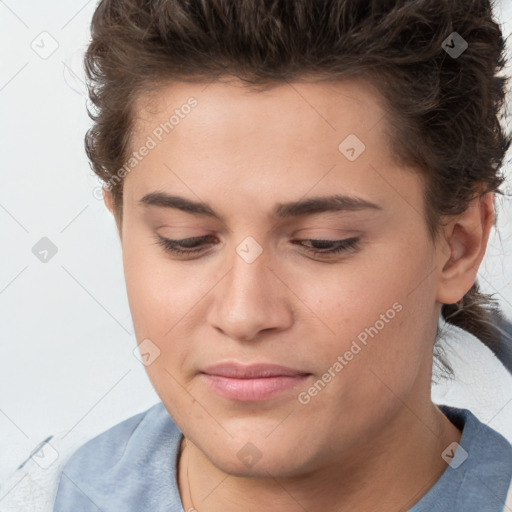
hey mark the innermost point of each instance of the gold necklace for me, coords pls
(188, 480)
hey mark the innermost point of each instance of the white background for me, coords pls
(67, 341)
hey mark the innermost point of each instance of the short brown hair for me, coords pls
(444, 110)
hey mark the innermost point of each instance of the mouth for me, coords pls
(252, 383)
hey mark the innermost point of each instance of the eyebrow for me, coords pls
(310, 206)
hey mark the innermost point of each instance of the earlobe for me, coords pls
(466, 236)
(107, 199)
(109, 203)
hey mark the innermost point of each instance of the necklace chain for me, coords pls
(188, 480)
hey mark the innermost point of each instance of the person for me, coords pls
(302, 189)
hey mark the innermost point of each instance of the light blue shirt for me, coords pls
(132, 468)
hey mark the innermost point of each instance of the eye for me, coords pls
(329, 246)
(196, 244)
(191, 245)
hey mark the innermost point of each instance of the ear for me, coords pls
(107, 199)
(109, 203)
(466, 237)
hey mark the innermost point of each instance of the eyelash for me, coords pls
(176, 246)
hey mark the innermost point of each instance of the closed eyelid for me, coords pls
(334, 248)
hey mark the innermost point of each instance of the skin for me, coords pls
(371, 439)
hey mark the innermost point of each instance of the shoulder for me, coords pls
(479, 472)
(133, 457)
(131, 438)
(486, 451)
(475, 433)
(63, 475)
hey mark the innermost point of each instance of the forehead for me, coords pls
(328, 107)
(224, 139)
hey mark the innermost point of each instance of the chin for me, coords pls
(256, 460)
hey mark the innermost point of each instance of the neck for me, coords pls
(391, 471)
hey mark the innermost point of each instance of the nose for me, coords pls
(250, 299)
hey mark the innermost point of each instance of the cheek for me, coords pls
(166, 300)
(160, 296)
(378, 338)
(159, 290)
(377, 312)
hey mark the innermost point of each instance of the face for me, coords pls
(279, 270)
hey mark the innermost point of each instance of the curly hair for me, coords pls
(444, 111)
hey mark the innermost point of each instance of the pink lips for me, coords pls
(253, 382)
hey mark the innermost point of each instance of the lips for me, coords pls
(251, 383)
(252, 371)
